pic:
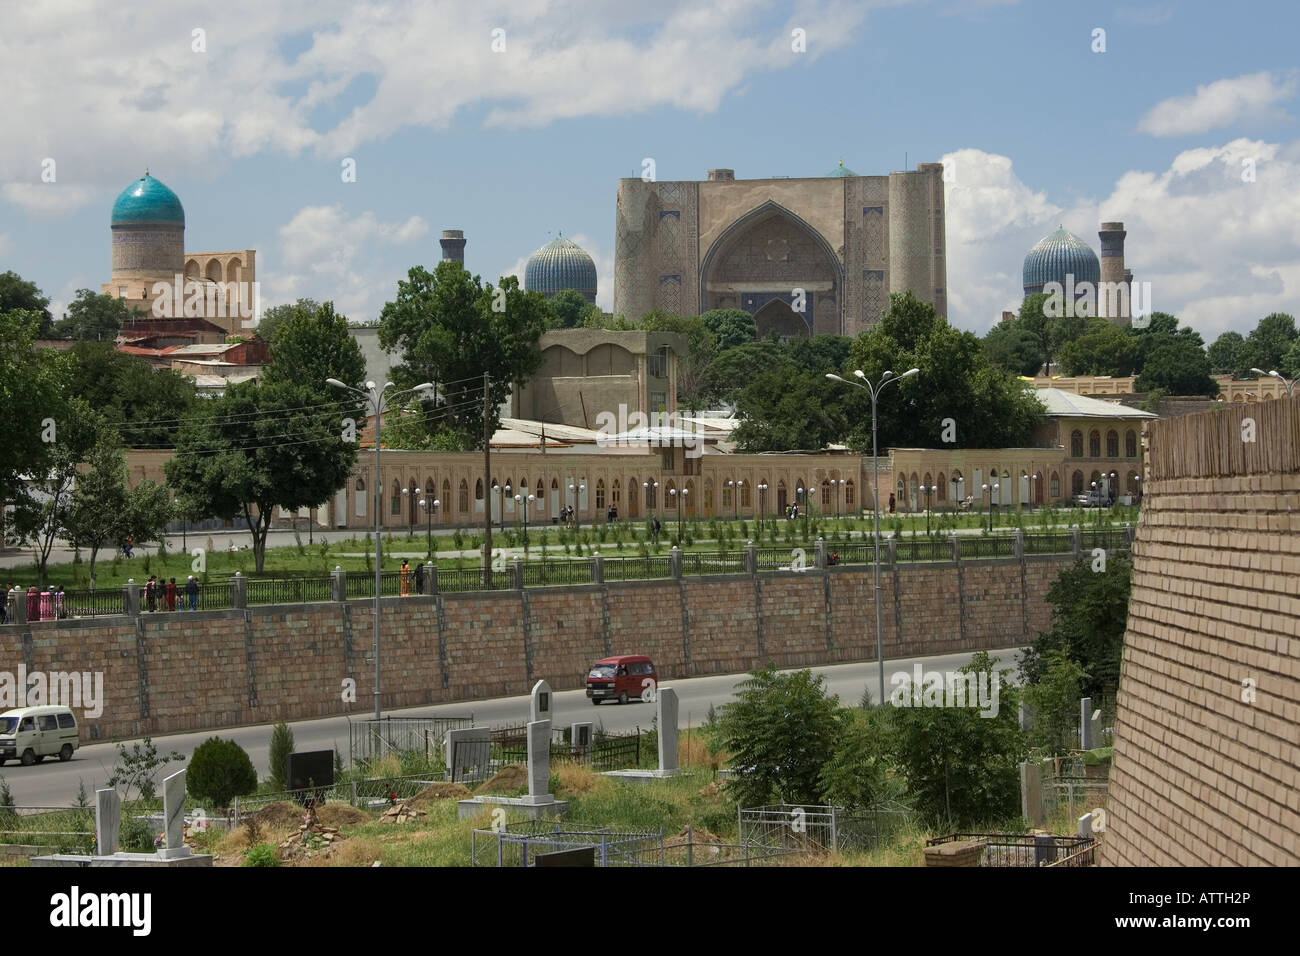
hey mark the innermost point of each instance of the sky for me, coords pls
(514, 119)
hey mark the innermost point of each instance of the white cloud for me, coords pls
(1219, 252)
(328, 256)
(49, 199)
(1218, 104)
(127, 87)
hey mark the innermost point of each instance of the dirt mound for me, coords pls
(440, 791)
(280, 816)
(507, 780)
(710, 791)
(695, 835)
(337, 814)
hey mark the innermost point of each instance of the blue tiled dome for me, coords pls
(148, 200)
(561, 264)
(841, 170)
(1055, 256)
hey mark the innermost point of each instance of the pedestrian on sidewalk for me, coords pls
(192, 589)
(33, 604)
(419, 579)
(60, 608)
(171, 595)
(406, 578)
(47, 604)
(151, 593)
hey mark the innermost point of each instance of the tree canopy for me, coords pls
(94, 316)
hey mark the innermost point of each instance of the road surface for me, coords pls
(54, 784)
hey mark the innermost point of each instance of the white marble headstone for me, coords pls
(666, 700)
(539, 762)
(174, 815)
(108, 821)
(540, 702)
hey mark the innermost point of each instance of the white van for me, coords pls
(31, 734)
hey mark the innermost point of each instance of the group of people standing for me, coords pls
(161, 595)
(47, 604)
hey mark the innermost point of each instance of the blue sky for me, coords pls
(514, 146)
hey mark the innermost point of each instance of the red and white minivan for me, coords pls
(623, 678)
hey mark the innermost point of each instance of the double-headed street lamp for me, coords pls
(680, 497)
(430, 508)
(525, 500)
(504, 493)
(875, 391)
(927, 490)
(654, 497)
(762, 507)
(1288, 385)
(577, 490)
(377, 400)
(993, 491)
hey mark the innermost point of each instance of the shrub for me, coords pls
(857, 774)
(220, 770)
(263, 854)
(780, 730)
(1054, 703)
(281, 747)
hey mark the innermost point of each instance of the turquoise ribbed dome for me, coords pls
(1056, 256)
(561, 264)
(841, 170)
(148, 200)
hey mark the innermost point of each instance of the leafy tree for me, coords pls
(1089, 614)
(857, 774)
(963, 769)
(18, 295)
(276, 314)
(1049, 332)
(259, 447)
(220, 770)
(281, 747)
(1272, 340)
(450, 329)
(730, 327)
(692, 368)
(1178, 367)
(145, 405)
(1011, 347)
(780, 731)
(94, 315)
(1291, 361)
(1163, 329)
(1104, 349)
(736, 367)
(311, 346)
(31, 390)
(137, 769)
(782, 409)
(1054, 702)
(99, 501)
(1230, 355)
(568, 306)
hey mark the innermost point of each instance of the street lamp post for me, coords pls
(995, 493)
(378, 402)
(429, 508)
(762, 507)
(504, 493)
(875, 391)
(1288, 385)
(577, 490)
(925, 490)
(525, 500)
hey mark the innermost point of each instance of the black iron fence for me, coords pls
(215, 593)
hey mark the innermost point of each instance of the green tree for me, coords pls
(31, 392)
(276, 314)
(97, 512)
(220, 770)
(145, 405)
(780, 731)
(736, 367)
(1053, 700)
(730, 327)
(259, 447)
(1290, 361)
(94, 315)
(1104, 349)
(1179, 367)
(963, 768)
(692, 368)
(137, 769)
(312, 346)
(1230, 355)
(450, 328)
(1049, 332)
(1089, 615)
(281, 747)
(1271, 340)
(19, 295)
(568, 306)
(857, 775)
(784, 409)
(1013, 348)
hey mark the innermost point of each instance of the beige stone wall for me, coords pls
(1207, 738)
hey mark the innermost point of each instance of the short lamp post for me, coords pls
(430, 508)
(652, 492)
(577, 490)
(503, 494)
(525, 500)
(762, 507)
(377, 400)
(927, 490)
(680, 496)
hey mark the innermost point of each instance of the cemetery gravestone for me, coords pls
(539, 703)
(539, 762)
(468, 752)
(174, 816)
(108, 821)
(667, 703)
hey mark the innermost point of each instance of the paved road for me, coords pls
(52, 783)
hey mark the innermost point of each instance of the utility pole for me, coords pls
(487, 485)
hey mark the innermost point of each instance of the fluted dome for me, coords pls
(561, 264)
(1056, 256)
(841, 171)
(148, 200)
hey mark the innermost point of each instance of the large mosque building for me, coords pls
(804, 256)
(1063, 259)
(152, 270)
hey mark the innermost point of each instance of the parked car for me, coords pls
(1091, 499)
(623, 678)
(31, 734)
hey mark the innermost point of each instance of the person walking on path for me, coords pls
(192, 589)
(47, 604)
(419, 579)
(33, 604)
(60, 608)
(406, 578)
(151, 593)
(891, 504)
(171, 595)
